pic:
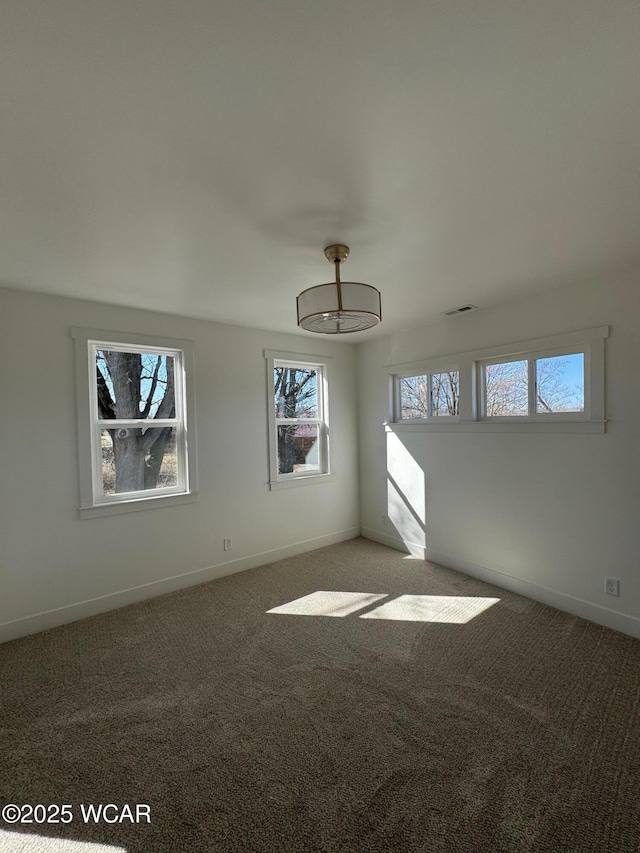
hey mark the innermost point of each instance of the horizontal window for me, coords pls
(539, 386)
(544, 385)
(423, 395)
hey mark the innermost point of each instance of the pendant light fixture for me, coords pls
(340, 306)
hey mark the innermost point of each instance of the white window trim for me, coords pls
(93, 504)
(589, 341)
(287, 481)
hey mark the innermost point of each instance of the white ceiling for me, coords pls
(195, 157)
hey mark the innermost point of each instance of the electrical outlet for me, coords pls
(612, 586)
(228, 545)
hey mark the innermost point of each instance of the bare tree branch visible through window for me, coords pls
(507, 386)
(441, 389)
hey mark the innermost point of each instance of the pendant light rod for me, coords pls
(338, 253)
(338, 284)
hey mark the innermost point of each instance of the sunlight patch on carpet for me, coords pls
(326, 603)
(14, 842)
(452, 609)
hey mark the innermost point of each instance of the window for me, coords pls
(560, 383)
(540, 386)
(423, 395)
(553, 384)
(136, 433)
(506, 388)
(298, 419)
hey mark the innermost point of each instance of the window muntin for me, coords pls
(421, 396)
(137, 422)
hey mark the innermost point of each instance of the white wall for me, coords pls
(51, 561)
(546, 515)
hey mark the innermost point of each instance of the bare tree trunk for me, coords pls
(129, 462)
(155, 456)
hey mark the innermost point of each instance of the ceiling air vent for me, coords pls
(461, 310)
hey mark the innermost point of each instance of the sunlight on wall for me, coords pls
(14, 842)
(323, 603)
(405, 495)
(452, 609)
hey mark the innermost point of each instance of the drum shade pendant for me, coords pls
(340, 306)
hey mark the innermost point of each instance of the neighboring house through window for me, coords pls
(298, 419)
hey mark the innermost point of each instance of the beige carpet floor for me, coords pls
(430, 719)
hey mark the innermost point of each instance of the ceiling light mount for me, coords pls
(339, 307)
(337, 252)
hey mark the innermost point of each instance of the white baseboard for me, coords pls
(394, 542)
(570, 604)
(83, 609)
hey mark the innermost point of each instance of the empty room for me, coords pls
(319, 467)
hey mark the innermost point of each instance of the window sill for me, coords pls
(156, 502)
(312, 480)
(502, 426)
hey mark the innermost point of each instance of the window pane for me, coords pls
(560, 383)
(298, 448)
(445, 393)
(295, 392)
(506, 387)
(414, 397)
(135, 385)
(133, 461)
